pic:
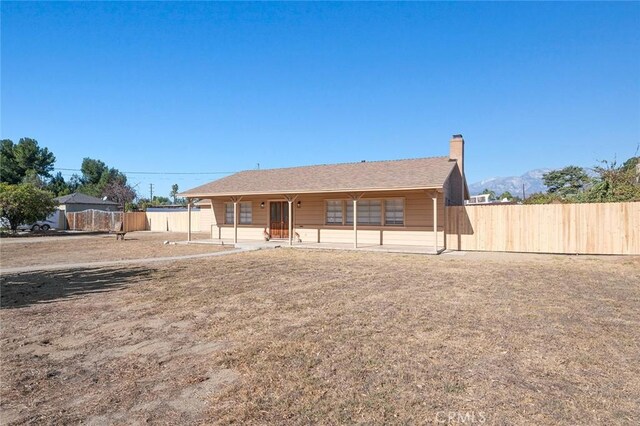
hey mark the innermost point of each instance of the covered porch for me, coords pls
(409, 221)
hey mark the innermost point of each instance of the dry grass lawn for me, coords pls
(299, 337)
(16, 252)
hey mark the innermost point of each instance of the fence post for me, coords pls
(189, 219)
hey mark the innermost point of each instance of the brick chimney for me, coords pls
(456, 151)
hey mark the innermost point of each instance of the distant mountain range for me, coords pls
(532, 181)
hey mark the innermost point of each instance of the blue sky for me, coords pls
(217, 87)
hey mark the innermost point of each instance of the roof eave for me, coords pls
(110, 203)
(282, 192)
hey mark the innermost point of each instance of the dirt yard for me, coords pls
(299, 337)
(15, 252)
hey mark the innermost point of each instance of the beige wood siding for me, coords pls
(412, 238)
(453, 188)
(418, 210)
(370, 237)
(310, 217)
(244, 233)
(207, 219)
(218, 212)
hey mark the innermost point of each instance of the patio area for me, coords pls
(385, 248)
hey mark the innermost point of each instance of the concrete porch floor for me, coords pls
(387, 248)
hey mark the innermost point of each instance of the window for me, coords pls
(228, 213)
(245, 213)
(394, 212)
(245, 218)
(340, 212)
(369, 212)
(334, 212)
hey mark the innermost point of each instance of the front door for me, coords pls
(279, 219)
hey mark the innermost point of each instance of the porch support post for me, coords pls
(290, 201)
(215, 220)
(355, 223)
(235, 221)
(435, 222)
(189, 221)
(235, 200)
(355, 198)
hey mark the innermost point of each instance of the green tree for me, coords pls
(142, 204)
(492, 194)
(96, 175)
(24, 203)
(32, 177)
(631, 165)
(58, 186)
(615, 183)
(510, 197)
(507, 195)
(566, 182)
(174, 192)
(24, 160)
(145, 203)
(160, 200)
(74, 183)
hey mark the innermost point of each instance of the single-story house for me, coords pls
(78, 202)
(396, 202)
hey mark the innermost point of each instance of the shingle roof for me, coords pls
(365, 176)
(79, 198)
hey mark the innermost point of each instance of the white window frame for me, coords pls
(347, 211)
(395, 221)
(326, 212)
(245, 213)
(364, 209)
(228, 215)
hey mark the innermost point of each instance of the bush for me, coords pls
(542, 198)
(615, 183)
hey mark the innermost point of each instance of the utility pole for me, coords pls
(150, 192)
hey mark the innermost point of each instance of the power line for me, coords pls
(156, 173)
(183, 180)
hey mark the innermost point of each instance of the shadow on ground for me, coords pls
(48, 233)
(24, 289)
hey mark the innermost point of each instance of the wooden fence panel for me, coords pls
(173, 221)
(135, 221)
(596, 228)
(93, 220)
